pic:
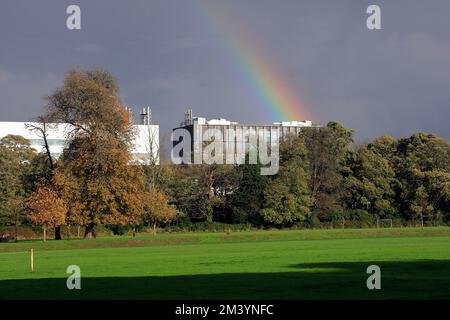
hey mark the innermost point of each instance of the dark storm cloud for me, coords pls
(166, 55)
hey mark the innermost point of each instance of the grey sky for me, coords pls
(166, 55)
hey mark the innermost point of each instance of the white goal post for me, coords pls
(384, 221)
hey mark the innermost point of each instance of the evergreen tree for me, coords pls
(287, 198)
(247, 200)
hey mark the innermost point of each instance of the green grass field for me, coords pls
(312, 264)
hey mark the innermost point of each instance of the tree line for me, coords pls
(324, 179)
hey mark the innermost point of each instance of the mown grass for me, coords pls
(296, 264)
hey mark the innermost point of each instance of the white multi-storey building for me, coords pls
(198, 126)
(145, 147)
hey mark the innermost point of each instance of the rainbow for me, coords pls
(256, 71)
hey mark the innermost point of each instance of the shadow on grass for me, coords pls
(422, 279)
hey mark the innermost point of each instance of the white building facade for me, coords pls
(233, 135)
(145, 146)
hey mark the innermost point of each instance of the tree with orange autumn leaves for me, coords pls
(94, 170)
(95, 177)
(156, 209)
(47, 209)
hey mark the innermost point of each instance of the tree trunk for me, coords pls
(45, 234)
(78, 231)
(58, 233)
(154, 229)
(89, 232)
(47, 150)
(134, 232)
(15, 232)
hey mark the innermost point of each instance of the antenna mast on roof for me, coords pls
(146, 116)
(188, 117)
(130, 111)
